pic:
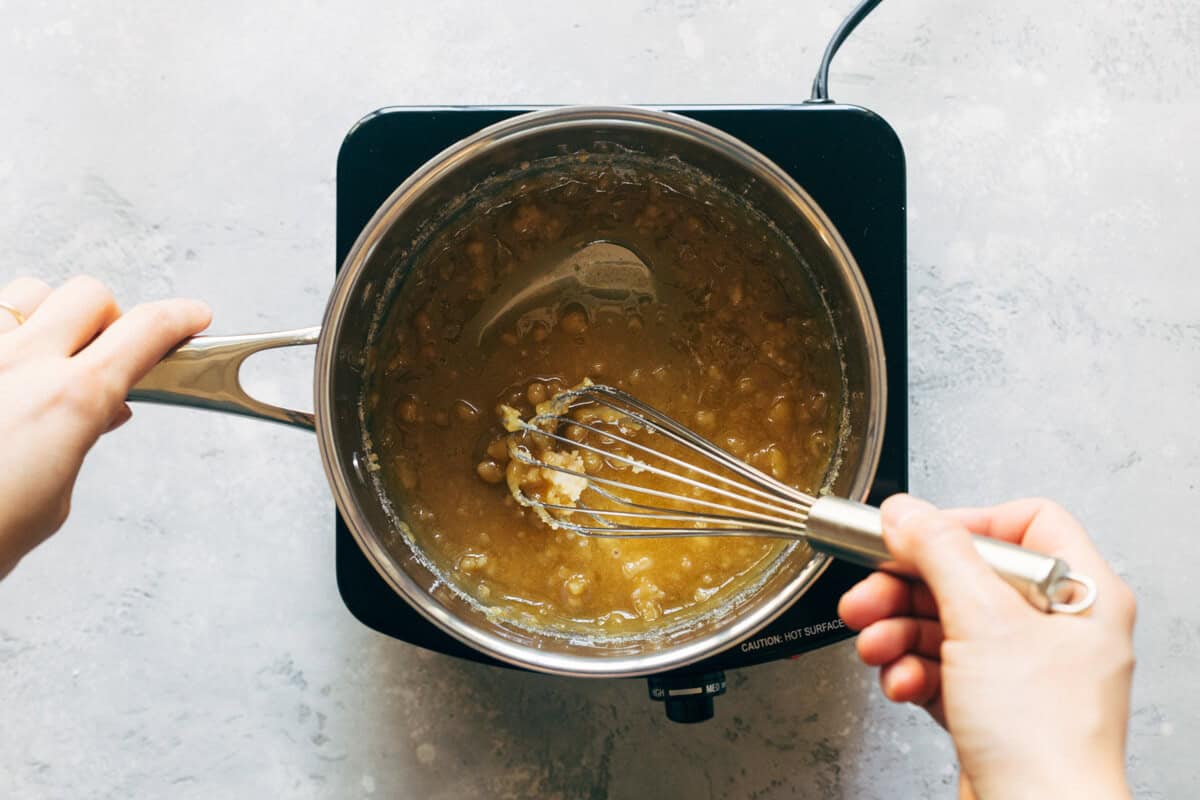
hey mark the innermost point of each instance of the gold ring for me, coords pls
(16, 312)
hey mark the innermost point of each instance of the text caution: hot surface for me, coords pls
(780, 639)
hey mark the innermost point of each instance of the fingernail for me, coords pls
(202, 308)
(899, 507)
(853, 591)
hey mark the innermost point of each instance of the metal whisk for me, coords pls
(709, 492)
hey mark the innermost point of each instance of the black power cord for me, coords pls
(820, 87)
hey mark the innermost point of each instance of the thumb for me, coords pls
(940, 549)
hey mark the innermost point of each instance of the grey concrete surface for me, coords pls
(182, 636)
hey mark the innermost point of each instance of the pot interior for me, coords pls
(459, 183)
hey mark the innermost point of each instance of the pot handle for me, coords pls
(203, 372)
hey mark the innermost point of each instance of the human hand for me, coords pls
(1037, 704)
(64, 375)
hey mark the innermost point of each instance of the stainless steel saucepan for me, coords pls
(203, 372)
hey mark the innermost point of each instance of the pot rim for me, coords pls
(338, 472)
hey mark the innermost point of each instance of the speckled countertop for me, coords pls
(183, 637)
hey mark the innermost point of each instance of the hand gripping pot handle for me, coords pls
(854, 532)
(204, 372)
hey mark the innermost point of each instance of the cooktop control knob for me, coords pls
(688, 697)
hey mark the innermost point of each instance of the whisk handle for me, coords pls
(854, 532)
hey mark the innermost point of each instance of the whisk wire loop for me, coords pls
(595, 481)
(765, 505)
(653, 418)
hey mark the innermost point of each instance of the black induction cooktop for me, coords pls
(850, 161)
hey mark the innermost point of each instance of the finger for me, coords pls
(123, 415)
(889, 639)
(968, 592)
(139, 339)
(71, 316)
(879, 596)
(1047, 527)
(25, 295)
(965, 790)
(1036, 523)
(911, 679)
